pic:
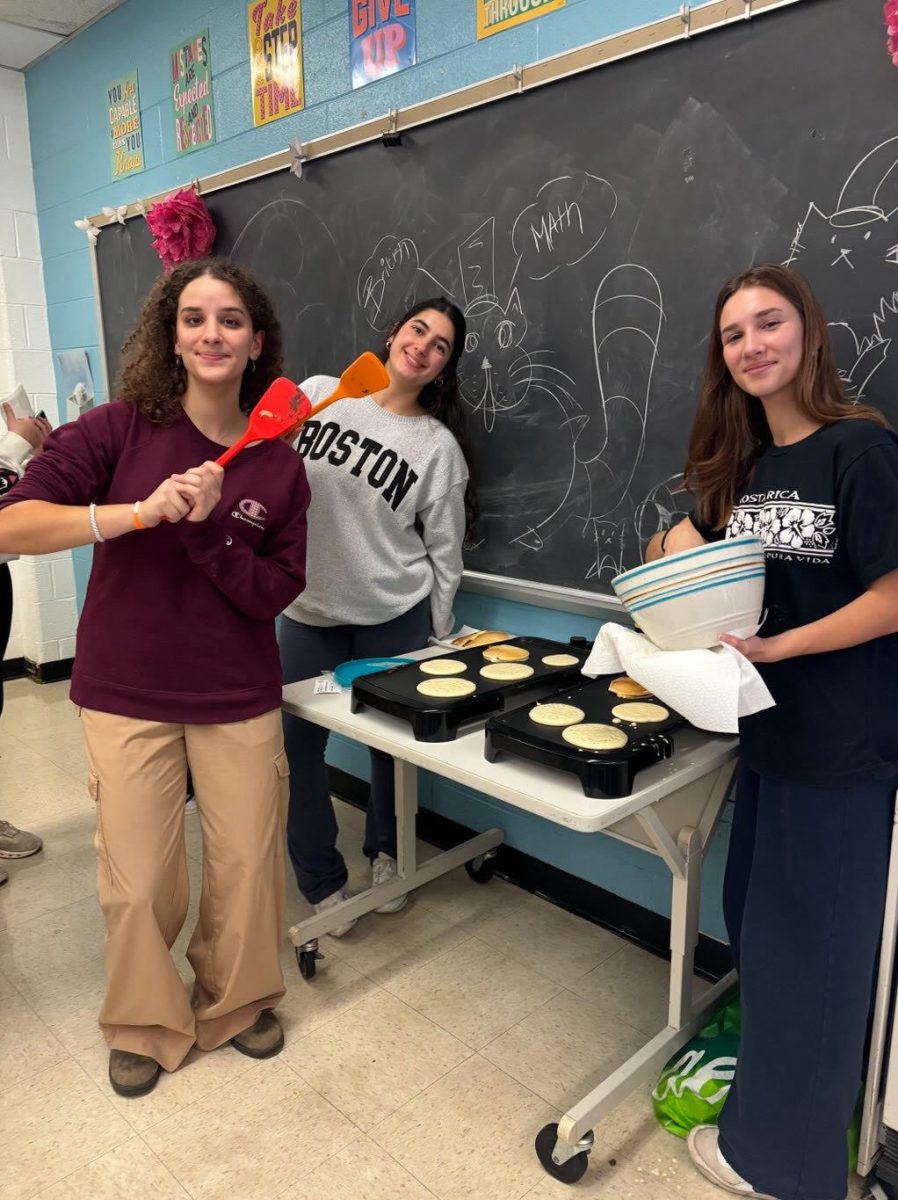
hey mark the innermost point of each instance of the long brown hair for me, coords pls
(730, 430)
(152, 378)
(440, 398)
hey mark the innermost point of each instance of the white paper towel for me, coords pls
(712, 689)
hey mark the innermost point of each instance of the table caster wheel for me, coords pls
(571, 1171)
(306, 960)
(482, 868)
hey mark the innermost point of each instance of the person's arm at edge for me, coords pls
(49, 508)
(872, 615)
(40, 527)
(443, 531)
(682, 536)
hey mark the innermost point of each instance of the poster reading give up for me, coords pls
(381, 38)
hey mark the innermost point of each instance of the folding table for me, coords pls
(672, 813)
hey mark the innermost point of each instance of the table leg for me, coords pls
(410, 875)
(685, 1019)
(406, 813)
(685, 901)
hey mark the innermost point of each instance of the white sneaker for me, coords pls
(705, 1154)
(385, 870)
(332, 901)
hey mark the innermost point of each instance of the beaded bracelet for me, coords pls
(95, 528)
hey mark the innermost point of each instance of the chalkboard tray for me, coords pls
(433, 720)
(601, 772)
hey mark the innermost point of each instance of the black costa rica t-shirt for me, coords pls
(826, 509)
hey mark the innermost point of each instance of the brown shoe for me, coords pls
(264, 1039)
(132, 1074)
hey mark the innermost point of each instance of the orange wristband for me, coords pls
(135, 516)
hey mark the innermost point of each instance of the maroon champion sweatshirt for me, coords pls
(178, 621)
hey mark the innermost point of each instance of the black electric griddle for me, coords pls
(601, 772)
(434, 720)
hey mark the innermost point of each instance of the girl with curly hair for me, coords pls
(778, 450)
(391, 498)
(177, 662)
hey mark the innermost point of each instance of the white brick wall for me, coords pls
(44, 613)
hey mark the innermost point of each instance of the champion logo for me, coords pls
(253, 509)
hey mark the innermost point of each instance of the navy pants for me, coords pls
(306, 651)
(803, 900)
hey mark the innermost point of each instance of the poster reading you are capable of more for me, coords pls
(495, 15)
(191, 93)
(275, 55)
(125, 134)
(381, 38)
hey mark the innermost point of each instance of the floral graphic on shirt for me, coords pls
(802, 529)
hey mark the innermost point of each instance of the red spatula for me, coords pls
(282, 408)
(362, 377)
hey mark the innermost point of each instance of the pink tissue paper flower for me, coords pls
(890, 12)
(182, 228)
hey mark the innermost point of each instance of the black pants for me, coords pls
(5, 618)
(803, 899)
(306, 651)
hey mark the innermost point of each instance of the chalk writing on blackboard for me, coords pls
(566, 221)
(389, 277)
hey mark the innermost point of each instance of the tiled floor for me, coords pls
(420, 1063)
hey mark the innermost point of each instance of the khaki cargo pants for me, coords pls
(138, 780)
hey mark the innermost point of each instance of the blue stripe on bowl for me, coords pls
(705, 587)
(623, 593)
(685, 555)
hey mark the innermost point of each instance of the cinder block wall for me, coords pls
(44, 613)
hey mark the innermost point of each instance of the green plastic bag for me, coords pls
(695, 1083)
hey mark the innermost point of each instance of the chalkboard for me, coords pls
(585, 228)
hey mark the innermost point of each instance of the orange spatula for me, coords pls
(282, 408)
(362, 377)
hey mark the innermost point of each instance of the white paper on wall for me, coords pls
(78, 382)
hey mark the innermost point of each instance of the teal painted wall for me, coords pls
(72, 179)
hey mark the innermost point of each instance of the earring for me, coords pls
(439, 381)
(389, 342)
(253, 365)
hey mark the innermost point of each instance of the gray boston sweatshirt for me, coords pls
(387, 518)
